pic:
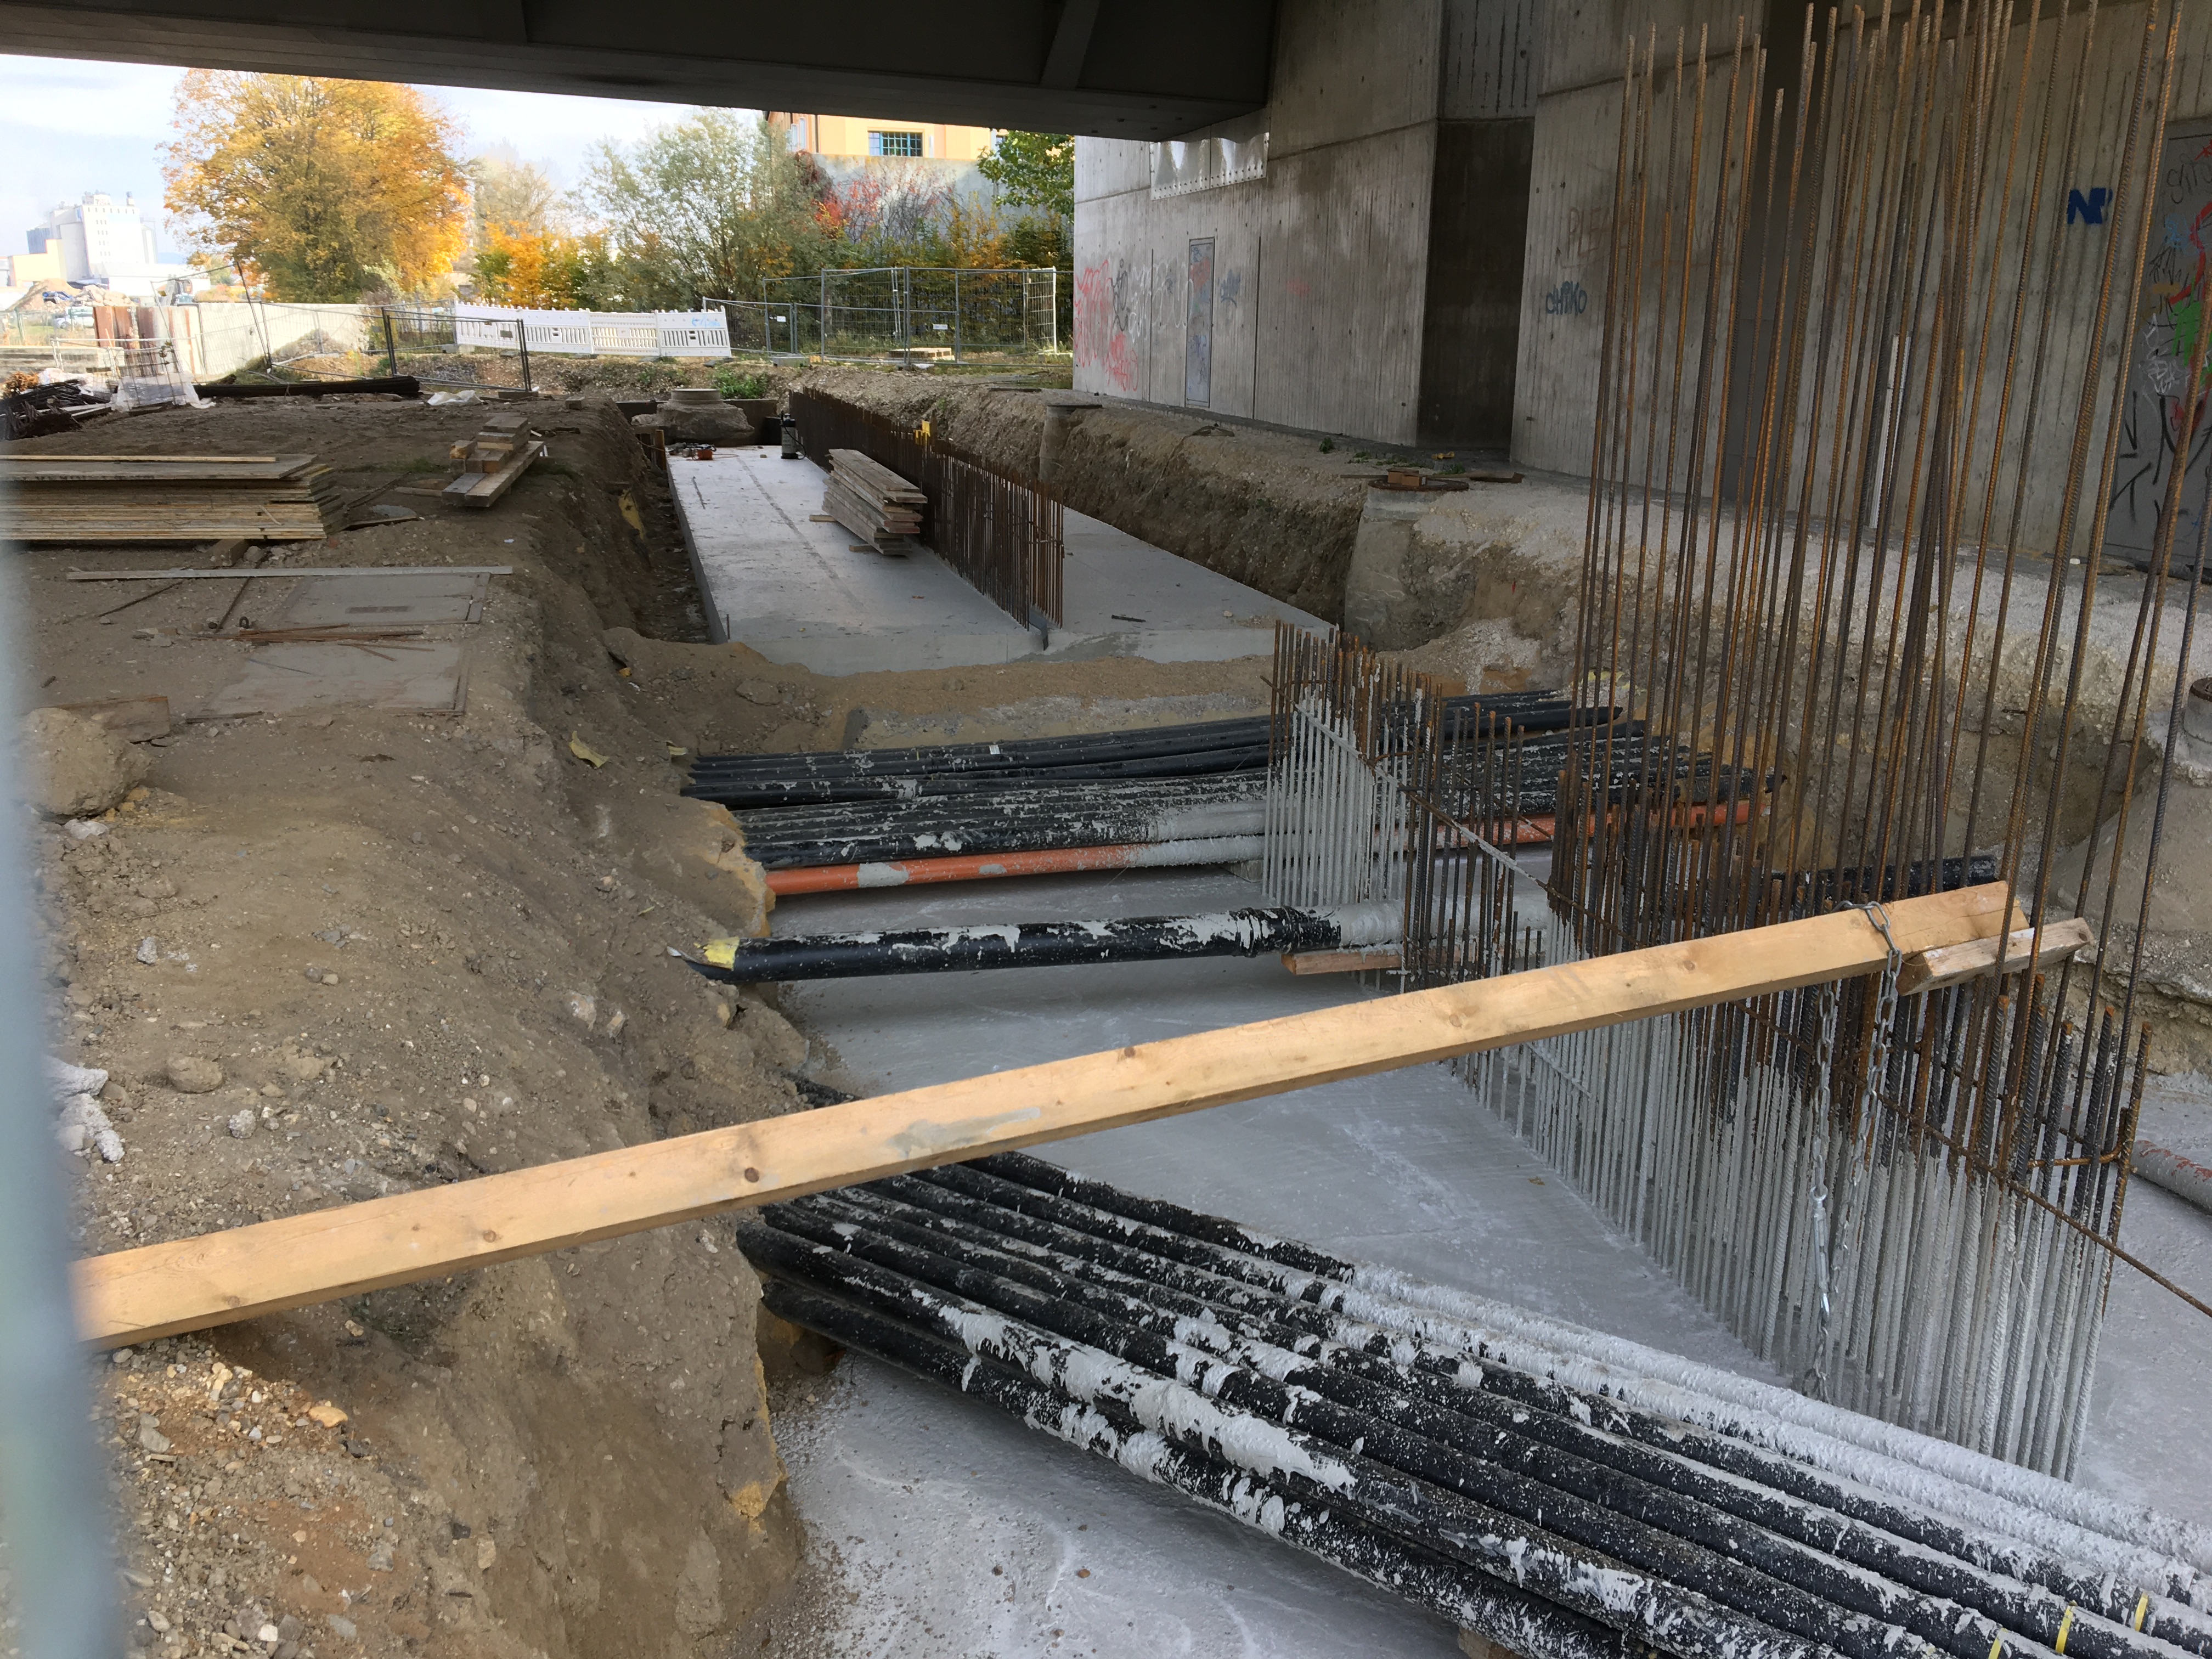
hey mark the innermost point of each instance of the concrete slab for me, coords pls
(794, 591)
(423, 676)
(921, 1493)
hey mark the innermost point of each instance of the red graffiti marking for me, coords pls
(1101, 339)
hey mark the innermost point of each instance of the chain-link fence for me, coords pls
(907, 313)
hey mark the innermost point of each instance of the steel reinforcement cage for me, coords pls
(1819, 1167)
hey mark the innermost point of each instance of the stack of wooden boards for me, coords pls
(872, 502)
(169, 498)
(501, 452)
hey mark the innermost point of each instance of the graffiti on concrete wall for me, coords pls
(2169, 319)
(1104, 308)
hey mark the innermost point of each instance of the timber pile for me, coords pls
(872, 502)
(500, 453)
(171, 498)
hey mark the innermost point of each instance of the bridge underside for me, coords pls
(1137, 69)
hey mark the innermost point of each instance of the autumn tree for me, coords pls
(548, 271)
(707, 206)
(317, 189)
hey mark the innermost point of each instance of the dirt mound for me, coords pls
(414, 949)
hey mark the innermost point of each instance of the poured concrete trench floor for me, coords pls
(942, 1528)
(773, 578)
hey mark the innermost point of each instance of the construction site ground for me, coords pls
(418, 948)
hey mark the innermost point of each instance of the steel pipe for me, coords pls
(1506, 1615)
(1046, 944)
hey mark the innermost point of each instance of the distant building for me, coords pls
(853, 136)
(22, 270)
(922, 152)
(99, 240)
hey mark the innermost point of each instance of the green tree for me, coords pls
(707, 206)
(317, 189)
(1032, 170)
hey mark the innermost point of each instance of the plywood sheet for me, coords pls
(426, 676)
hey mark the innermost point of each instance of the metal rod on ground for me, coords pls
(873, 831)
(2169, 1557)
(1506, 1615)
(1411, 1383)
(1775, 1581)
(1137, 1407)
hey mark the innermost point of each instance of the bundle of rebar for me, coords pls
(1019, 818)
(1565, 1494)
(860, 775)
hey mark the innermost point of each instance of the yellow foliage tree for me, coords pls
(545, 271)
(317, 189)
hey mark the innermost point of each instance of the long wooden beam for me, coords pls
(134, 1296)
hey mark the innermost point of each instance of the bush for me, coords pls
(732, 382)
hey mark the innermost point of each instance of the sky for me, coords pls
(69, 125)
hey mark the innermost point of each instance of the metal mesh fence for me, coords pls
(907, 313)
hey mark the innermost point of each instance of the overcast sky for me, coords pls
(67, 126)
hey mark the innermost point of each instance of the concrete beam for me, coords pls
(1145, 69)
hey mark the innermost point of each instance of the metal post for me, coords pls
(52, 1483)
(821, 319)
(522, 340)
(391, 344)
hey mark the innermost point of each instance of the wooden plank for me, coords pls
(133, 1296)
(150, 469)
(297, 570)
(870, 477)
(483, 489)
(1954, 964)
(1374, 957)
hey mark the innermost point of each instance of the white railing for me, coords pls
(595, 333)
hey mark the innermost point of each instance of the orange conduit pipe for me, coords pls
(1136, 855)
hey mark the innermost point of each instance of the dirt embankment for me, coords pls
(414, 949)
(1264, 508)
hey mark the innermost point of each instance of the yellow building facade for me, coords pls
(866, 134)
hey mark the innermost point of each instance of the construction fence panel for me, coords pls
(908, 313)
(594, 333)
